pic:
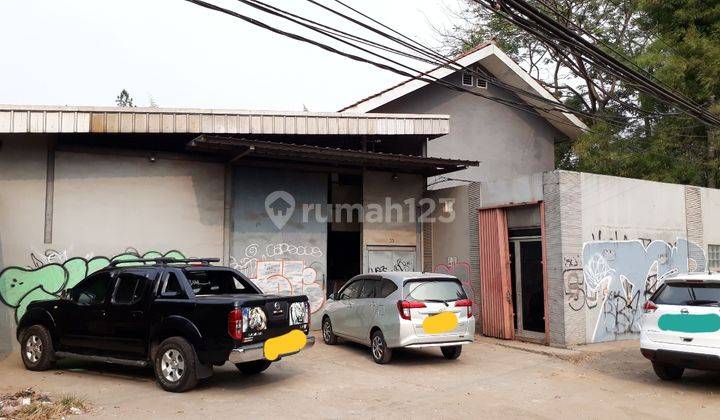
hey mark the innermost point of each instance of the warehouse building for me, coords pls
(81, 186)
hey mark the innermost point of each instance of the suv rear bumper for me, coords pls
(253, 352)
(682, 358)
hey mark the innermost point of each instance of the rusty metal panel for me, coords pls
(496, 290)
(97, 123)
(126, 122)
(112, 123)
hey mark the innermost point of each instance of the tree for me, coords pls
(570, 78)
(685, 55)
(631, 134)
(124, 99)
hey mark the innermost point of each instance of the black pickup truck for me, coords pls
(181, 316)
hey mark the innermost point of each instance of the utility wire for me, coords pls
(578, 45)
(444, 61)
(421, 76)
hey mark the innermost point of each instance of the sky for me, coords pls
(84, 52)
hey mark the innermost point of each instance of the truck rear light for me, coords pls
(465, 303)
(404, 307)
(235, 324)
(649, 307)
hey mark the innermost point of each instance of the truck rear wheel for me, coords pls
(254, 367)
(175, 366)
(37, 348)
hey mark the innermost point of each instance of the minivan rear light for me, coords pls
(235, 324)
(404, 307)
(649, 307)
(466, 303)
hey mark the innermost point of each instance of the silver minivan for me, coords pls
(401, 309)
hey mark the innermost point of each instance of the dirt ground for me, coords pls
(490, 380)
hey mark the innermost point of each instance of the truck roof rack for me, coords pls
(166, 260)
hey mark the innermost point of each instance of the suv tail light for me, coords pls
(465, 303)
(404, 307)
(649, 307)
(235, 324)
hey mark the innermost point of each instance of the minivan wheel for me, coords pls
(254, 367)
(328, 336)
(668, 372)
(380, 352)
(175, 367)
(451, 352)
(37, 348)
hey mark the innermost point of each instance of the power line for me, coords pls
(444, 61)
(521, 10)
(422, 76)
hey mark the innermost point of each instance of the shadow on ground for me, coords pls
(624, 361)
(401, 357)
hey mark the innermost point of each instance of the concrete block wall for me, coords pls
(563, 235)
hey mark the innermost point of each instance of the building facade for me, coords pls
(80, 187)
(555, 257)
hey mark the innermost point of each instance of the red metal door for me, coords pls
(495, 287)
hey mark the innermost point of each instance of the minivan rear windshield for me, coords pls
(688, 294)
(433, 290)
(217, 282)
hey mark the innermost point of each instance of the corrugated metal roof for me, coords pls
(66, 119)
(249, 149)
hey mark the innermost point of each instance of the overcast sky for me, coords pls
(83, 52)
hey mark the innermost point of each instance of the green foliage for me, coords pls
(124, 99)
(631, 134)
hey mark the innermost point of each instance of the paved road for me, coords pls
(488, 381)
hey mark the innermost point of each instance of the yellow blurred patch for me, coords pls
(291, 342)
(440, 323)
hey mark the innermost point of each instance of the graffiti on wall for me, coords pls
(461, 270)
(283, 268)
(52, 271)
(612, 280)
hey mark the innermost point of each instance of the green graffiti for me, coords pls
(19, 286)
(690, 323)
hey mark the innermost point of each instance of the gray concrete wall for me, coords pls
(611, 242)
(280, 258)
(104, 206)
(508, 142)
(395, 243)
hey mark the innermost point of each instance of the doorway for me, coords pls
(526, 272)
(344, 230)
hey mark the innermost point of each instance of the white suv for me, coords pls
(681, 326)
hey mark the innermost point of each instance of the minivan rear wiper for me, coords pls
(437, 300)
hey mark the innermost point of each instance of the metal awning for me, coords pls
(238, 149)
